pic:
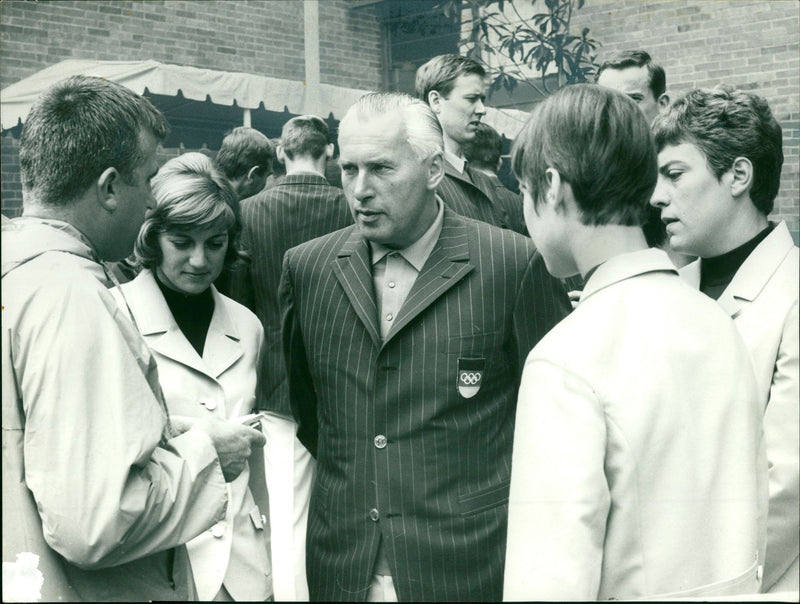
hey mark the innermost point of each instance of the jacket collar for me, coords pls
(302, 178)
(754, 273)
(162, 334)
(625, 266)
(447, 264)
(478, 181)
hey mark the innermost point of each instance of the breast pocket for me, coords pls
(474, 358)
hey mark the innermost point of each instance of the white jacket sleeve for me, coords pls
(782, 431)
(108, 488)
(559, 498)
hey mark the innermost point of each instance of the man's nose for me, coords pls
(480, 108)
(659, 197)
(362, 188)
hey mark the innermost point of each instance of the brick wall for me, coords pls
(9, 173)
(350, 45)
(749, 45)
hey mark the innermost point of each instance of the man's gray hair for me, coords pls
(422, 128)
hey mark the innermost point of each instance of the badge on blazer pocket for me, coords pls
(470, 375)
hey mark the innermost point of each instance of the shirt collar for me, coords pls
(455, 161)
(305, 173)
(417, 253)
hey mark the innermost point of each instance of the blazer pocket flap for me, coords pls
(485, 499)
(746, 583)
(474, 345)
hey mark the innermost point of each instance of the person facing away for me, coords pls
(719, 157)
(405, 336)
(298, 207)
(633, 72)
(97, 481)
(245, 157)
(206, 346)
(638, 466)
(454, 87)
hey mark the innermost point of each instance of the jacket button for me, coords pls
(380, 441)
(218, 530)
(374, 515)
(210, 404)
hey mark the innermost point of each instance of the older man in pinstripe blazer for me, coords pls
(405, 338)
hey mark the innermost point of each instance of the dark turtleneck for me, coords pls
(717, 273)
(192, 313)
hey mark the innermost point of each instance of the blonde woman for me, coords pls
(206, 346)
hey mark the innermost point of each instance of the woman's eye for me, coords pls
(181, 244)
(674, 174)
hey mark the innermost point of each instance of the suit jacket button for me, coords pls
(380, 441)
(218, 530)
(210, 404)
(374, 515)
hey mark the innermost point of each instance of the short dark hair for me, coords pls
(440, 74)
(600, 143)
(241, 149)
(725, 124)
(190, 193)
(638, 58)
(485, 149)
(78, 128)
(305, 135)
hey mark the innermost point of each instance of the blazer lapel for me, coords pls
(156, 323)
(352, 267)
(756, 271)
(162, 334)
(475, 183)
(446, 266)
(222, 348)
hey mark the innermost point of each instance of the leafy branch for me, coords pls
(541, 42)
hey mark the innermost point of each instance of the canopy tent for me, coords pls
(224, 95)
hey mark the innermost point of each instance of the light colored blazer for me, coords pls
(638, 464)
(222, 383)
(762, 300)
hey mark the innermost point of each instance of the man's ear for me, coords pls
(280, 154)
(559, 192)
(434, 101)
(435, 171)
(663, 100)
(742, 172)
(329, 150)
(253, 172)
(106, 189)
(554, 192)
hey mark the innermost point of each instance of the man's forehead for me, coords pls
(369, 128)
(470, 82)
(683, 151)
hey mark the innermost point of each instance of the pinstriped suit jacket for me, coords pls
(297, 208)
(437, 489)
(479, 199)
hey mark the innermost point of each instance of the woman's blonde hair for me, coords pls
(191, 193)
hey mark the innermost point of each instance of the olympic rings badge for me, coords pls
(470, 376)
